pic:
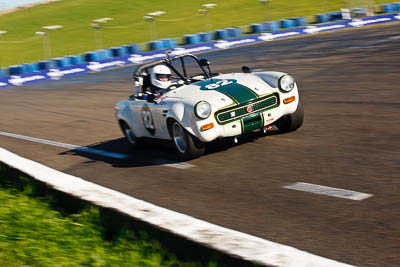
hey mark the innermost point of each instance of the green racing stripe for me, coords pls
(237, 92)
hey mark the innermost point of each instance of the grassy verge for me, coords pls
(21, 45)
(42, 227)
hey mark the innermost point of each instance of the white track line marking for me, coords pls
(173, 164)
(329, 191)
(226, 240)
(68, 146)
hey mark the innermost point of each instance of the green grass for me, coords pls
(21, 45)
(38, 229)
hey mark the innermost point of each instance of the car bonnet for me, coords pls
(224, 90)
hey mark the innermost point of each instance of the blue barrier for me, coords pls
(234, 32)
(321, 18)
(389, 8)
(47, 74)
(257, 27)
(205, 37)
(360, 12)
(3, 72)
(287, 23)
(76, 59)
(156, 45)
(128, 49)
(169, 43)
(191, 39)
(105, 54)
(397, 6)
(61, 62)
(15, 70)
(337, 15)
(30, 67)
(272, 26)
(91, 56)
(221, 34)
(119, 51)
(300, 21)
(42, 65)
(135, 49)
(132, 49)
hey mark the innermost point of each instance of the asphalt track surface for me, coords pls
(349, 86)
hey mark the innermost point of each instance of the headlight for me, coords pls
(202, 110)
(286, 83)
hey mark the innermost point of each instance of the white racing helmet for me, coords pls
(160, 76)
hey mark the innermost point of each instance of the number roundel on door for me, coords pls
(147, 120)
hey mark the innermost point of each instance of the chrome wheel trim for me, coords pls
(179, 138)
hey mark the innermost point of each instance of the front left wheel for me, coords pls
(130, 135)
(186, 145)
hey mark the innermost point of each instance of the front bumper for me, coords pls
(245, 123)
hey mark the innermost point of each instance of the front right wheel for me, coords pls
(186, 145)
(291, 122)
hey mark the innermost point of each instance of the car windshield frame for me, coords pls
(168, 61)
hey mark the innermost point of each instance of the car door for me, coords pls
(152, 117)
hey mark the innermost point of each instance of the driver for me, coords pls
(160, 79)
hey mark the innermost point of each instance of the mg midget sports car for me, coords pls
(201, 106)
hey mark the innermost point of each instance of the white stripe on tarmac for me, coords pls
(68, 146)
(173, 164)
(226, 240)
(329, 191)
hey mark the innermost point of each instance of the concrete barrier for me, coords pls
(221, 34)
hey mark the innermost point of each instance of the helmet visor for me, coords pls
(163, 77)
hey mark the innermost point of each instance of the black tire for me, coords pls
(134, 141)
(187, 146)
(291, 122)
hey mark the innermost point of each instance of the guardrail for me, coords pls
(116, 57)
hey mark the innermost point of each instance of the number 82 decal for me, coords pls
(218, 84)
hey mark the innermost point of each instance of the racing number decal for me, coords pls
(218, 84)
(215, 84)
(147, 119)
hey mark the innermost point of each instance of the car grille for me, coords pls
(255, 106)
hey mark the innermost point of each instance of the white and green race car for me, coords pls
(201, 107)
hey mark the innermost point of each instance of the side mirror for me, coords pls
(246, 69)
(204, 62)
